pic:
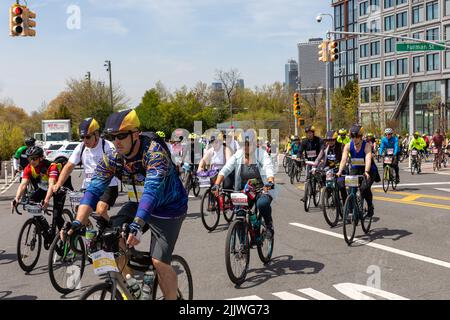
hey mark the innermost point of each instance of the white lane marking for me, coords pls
(284, 295)
(415, 184)
(316, 294)
(378, 246)
(355, 291)
(442, 189)
(247, 298)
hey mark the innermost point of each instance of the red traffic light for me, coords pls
(17, 10)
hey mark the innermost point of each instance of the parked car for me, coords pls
(61, 150)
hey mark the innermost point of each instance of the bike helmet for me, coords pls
(356, 131)
(342, 131)
(295, 138)
(331, 135)
(192, 136)
(35, 151)
(161, 134)
(88, 126)
(370, 135)
(310, 128)
(29, 142)
(126, 120)
(388, 131)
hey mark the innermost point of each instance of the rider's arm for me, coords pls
(21, 189)
(319, 157)
(65, 173)
(267, 168)
(368, 162)
(15, 164)
(344, 158)
(205, 160)
(380, 151)
(396, 150)
(411, 144)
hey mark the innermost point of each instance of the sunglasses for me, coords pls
(33, 158)
(119, 136)
(86, 137)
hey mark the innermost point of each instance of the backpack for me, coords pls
(60, 163)
(84, 147)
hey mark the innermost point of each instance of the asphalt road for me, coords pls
(405, 256)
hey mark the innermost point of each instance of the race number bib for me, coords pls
(351, 181)
(389, 151)
(358, 162)
(331, 157)
(239, 199)
(103, 262)
(311, 153)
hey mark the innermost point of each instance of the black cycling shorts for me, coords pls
(110, 195)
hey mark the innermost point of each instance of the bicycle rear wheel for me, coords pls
(184, 280)
(237, 252)
(101, 291)
(29, 245)
(66, 267)
(195, 186)
(307, 196)
(330, 210)
(316, 193)
(210, 211)
(227, 208)
(413, 166)
(393, 180)
(292, 174)
(366, 221)
(350, 219)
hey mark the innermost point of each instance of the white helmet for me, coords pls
(388, 131)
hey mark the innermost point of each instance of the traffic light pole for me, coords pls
(328, 104)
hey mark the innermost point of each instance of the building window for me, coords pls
(375, 94)
(389, 45)
(447, 59)
(375, 48)
(364, 50)
(433, 34)
(418, 64)
(365, 95)
(417, 14)
(400, 88)
(402, 19)
(447, 8)
(389, 3)
(399, 2)
(447, 33)
(363, 8)
(389, 93)
(389, 23)
(364, 72)
(389, 68)
(375, 70)
(432, 10)
(375, 26)
(402, 66)
(363, 27)
(417, 35)
(432, 61)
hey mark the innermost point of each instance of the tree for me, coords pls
(12, 138)
(345, 102)
(148, 110)
(229, 80)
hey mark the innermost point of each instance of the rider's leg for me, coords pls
(308, 170)
(107, 200)
(263, 205)
(396, 168)
(164, 237)
(366, 193)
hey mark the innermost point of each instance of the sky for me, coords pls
(177, 42)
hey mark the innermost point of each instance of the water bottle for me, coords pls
(253, 219)
(133, 286)
(90, 236)
(147, 285)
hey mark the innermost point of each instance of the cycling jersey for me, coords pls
(358, 159)
(343, 141)
(150, 176)
(391, 143)
(311, 148)
(438, 140)
(40, 175)
(21, 156)
(295, 148)
(418, 144)
(333, 155)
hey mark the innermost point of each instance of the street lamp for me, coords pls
(108, 68)
(328, 102)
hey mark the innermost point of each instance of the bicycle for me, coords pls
(191, 180)
(313, 186)
(296, 169)
(36, 228)
(246, 231)
(355, 209)
(415, 166)
(437, 159)
(389, 176)
(211, 206)
(331, 198)
(114, 286)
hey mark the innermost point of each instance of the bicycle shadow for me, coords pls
(5, 294)
(340, 224)
(280, 266)
(37, 271)
(7, 256)
(381, 233)
(193, 216)
(76, 294)
(220, 228)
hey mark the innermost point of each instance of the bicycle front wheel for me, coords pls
(184, 279)
(29, 245)
(101, 291)
(386, 179)
(210, 211)
(366, 221)
(329, 207)
(265, 244)
(307, 201)
(350, 219)
(316, 193)
(237, 252)
(196, 187)
(227, 208)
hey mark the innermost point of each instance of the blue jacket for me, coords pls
(391, 143)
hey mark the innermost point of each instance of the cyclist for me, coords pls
(419, 144)
(370, 138)
(287, 148)
(343, 139)
(360, 153)
(295, 146)
(248, 163)
(89, 153)
(390, 144)
(310, 149)
(142, 163)
(330, 156)
(438, 140)
(42, 174)
(427, 143)
(20, 159)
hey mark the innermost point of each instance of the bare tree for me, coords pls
(229, 80)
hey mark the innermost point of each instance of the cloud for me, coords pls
(110, 25)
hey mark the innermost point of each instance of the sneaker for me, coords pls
(370, 211)
(270, 232)
(397, 180)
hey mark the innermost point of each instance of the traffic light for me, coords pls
(334, 51)
(21, 21)
(323, 54)
(29, 23)
(16, 17)
(297, 111)
(301, 122)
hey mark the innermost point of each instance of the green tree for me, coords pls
(12, 138)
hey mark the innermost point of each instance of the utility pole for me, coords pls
(108, 68)
(88, 77)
